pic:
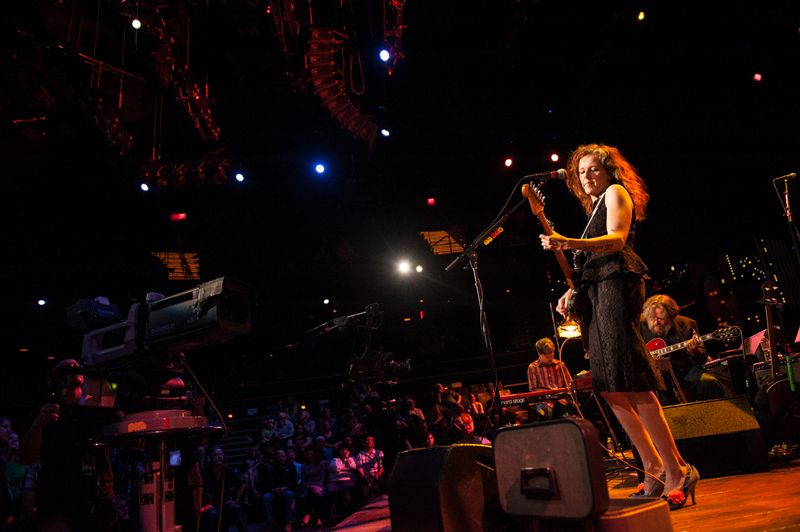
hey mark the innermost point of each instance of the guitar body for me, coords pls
(784, 404)
(656, 343)
(778, 404)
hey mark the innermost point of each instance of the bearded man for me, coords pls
(660, 319)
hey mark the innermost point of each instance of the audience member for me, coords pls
(308, 424)
(349, 421)
(413, 410)
(214, 476)
(475, 408)
(285, 428)
(341, 484)
(461, 422)
(67, 495)
(312, 476)
(370, 466)
(268, 429)
(278, 483)
(440, 428)
(445, 399)
(332, 440)
(6, 505)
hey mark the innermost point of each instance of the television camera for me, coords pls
(134, 362)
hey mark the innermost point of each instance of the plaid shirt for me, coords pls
(548, 377)
(371, 463)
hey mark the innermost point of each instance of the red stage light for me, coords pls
(175, 216)
(431, 201)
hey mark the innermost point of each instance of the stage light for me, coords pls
(385, 132)
(239, 178)
(144, 187)
(419, 269)
(175, 216)
(136, 23)
(326, 301)
(757, 77)
(319, 168)
(41, 302)
(509, 162)
(554, 157)
(641, 15)
(384, 55)
(404, 267)
(431, 201)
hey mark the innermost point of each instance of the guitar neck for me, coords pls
(676, 347)
(562, 260)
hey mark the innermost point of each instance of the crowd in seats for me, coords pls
(305, 466)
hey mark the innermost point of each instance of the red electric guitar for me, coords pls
(659, 347)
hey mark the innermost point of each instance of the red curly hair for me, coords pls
(620, 170)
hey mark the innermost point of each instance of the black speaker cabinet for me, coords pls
(720, 437)
(551, 470)
(444, 489)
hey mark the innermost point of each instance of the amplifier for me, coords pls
(762, 371)
(731, 373)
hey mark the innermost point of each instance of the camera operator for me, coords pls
(74, 487)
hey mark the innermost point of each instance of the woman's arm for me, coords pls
(619, 210)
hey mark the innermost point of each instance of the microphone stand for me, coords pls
(470, 254)
(787, 211)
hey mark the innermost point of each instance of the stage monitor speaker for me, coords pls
(444, 489)
(551, 470)
(720, 437)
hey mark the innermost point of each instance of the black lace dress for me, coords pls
(612, 296)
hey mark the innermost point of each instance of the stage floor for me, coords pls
(763, 502)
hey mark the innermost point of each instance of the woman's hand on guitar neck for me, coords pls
(555, 241)
(561, 308)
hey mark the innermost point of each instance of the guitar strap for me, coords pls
(594, 211)
(578, 254)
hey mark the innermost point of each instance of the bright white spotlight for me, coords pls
(419, 269)
(136, 23)
(319, 168)
(41, 302)
(145, 187)
(384, 55)
(326, 301)
(239, 178)
(385, 132)
(404, 267)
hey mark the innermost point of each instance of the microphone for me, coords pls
(545, 176)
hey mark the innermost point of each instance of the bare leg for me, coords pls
(641, 415)
(629, 419)
(652, 417)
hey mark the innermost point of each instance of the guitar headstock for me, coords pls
(535, 198)
(726, 333)
(769, 291)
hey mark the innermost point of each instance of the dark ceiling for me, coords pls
(86, 102)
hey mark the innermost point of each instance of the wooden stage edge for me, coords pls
(755, 502)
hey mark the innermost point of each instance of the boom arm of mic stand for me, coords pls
(483, 236)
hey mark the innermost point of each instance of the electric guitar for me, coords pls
(572, 275)
(659, 347)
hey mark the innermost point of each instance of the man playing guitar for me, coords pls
(660, 319)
